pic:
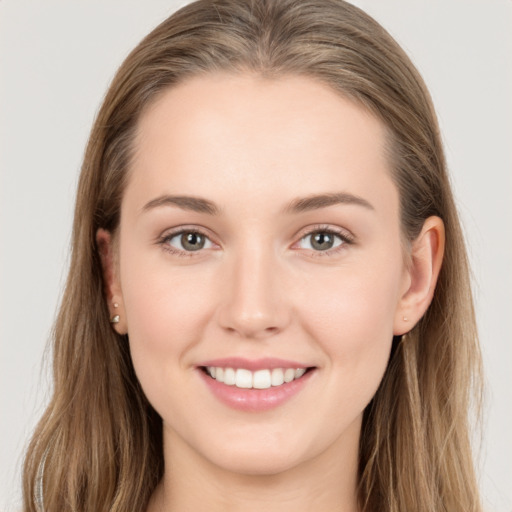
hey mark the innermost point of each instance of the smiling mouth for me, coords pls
(259, 379)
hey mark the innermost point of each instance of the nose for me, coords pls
(253, 300)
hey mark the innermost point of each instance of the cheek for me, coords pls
(351, 313)
(166, 310)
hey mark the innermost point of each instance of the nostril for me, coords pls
(252, 330)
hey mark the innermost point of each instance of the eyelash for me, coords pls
(345, 237)
(165, 239)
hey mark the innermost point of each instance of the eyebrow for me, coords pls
(316, 202)
(195, 204)
(299, 205)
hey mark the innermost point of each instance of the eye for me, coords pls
(322, 240)
(187, 241)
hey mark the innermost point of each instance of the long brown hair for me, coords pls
(98, 446)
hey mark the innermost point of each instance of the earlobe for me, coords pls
(112, 287)
(426, 258)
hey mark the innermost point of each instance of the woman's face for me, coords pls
(259, 235)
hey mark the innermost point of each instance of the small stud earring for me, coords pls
(116, 305)
(405, 319)
(115, 319)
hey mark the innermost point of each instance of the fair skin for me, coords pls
(273, 278)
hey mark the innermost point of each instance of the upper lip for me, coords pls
(266, 363)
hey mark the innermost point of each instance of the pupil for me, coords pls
(192, 241)
(322, 241)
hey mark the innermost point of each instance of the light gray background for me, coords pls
(56, 60)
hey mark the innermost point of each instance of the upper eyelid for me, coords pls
(168, 235)
(327, 228)
(172, 232)
(345, 234)
(302, 232)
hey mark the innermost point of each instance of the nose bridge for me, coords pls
(254, 304)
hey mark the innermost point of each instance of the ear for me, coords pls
(113, 292)
(424, 266)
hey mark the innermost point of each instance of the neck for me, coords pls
(193, 483)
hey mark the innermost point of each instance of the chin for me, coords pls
(261, 464)
(265, 458)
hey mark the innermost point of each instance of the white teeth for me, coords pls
(299, 372)
(289, 374)
(243, 379)
(277, 377)
(260, 379)
(229, 377)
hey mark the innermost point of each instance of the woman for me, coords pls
(268, 302)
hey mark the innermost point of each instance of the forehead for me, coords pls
(258, 137)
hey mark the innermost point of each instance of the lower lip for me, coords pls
(255, 400)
